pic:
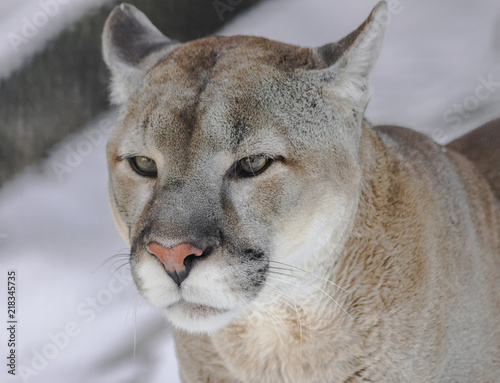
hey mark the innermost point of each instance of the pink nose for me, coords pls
(173, 258)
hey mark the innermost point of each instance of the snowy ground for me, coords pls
(79, 319)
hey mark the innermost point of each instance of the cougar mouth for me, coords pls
(198, 310)
(199, 317)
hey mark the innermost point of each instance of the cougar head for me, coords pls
(231, 155)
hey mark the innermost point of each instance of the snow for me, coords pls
(59, 235)
(81, 317)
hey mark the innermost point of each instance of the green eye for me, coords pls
(253, 165)
(143, 166)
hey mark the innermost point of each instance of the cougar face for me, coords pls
(256, 200)
(220, 165)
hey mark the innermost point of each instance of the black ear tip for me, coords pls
(125, 6)
(122, 12)
(128, 10)
(380, 7)
(129, 37)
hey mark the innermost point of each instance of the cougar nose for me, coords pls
(176, 259)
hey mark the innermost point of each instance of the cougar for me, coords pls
(284, 237)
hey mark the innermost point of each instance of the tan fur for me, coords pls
(416, 265)
(481, 147)
(361, 254)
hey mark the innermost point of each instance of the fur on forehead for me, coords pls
(204, 54)
(132, 46)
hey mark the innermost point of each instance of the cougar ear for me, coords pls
(348, 62)
(131, 45)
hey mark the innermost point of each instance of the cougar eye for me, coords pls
(143, 166)
(253, 165)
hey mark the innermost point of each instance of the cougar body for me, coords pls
(354, 253)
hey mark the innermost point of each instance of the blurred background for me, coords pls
(80, 318)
